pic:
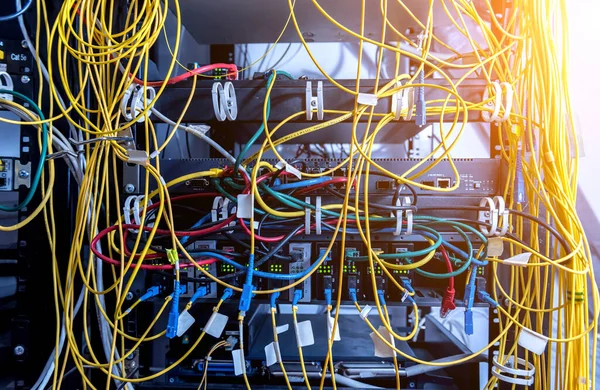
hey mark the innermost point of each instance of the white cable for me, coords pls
(202, 136)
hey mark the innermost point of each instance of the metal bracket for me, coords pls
(22, 176)
(314, 102)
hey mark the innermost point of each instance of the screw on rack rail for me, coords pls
(19, 350)
(23, 174)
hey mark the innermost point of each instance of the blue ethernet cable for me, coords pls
(300, 184)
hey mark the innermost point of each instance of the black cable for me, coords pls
(187, 144)
(530, 217)
(269, 255)
(399, 189)
(371, 204)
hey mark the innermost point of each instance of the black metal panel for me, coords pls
(289, 97)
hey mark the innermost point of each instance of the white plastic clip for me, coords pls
(517, 376)
(307, 213)
(6, 82)
(502, 216)
(409, 215)
(217, 204)
(318, 214)
(229, 101)
(133, 102)
(496, 104)
(403, 102)
(398, 214)
(314, 102)
(217, 90)
(504, 94)
(488, 216)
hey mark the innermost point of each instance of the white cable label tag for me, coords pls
(364, 313)
(184, 323)
(367, 99)
(215, 324)
(289, 168)
(404, 296)
(239, 366)
(495, 246)
(532, 341)
(282, 328)
(304, 334)
(336, 336)
(245, 207)
(382, 350)
(520, 260)
(272, 353)
(139, 157)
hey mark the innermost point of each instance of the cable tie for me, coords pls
(229, 100)
(318, 215)
(406, 202)
(219, 109)
(488, 216)
(398, 215)
(510, 379)
(508, 100)
(307, 213)
(502, 214)
(214, 212)
(314, 102)
(510, 368)
(496, 104)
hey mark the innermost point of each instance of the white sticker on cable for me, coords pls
(272, 353)
(291, 169)
(367, 374)
(215, 324)
(404, 296)
(367, 99)
(532, 341)
(139, 157)
(282, 328)
(364, 313)
(304, 334)
(495, 246)
(288, 168)
(185, 321)
(202, 129)
(245, 206)
(520, 260)
(336, 336)
(382, 350)
(239, 366)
